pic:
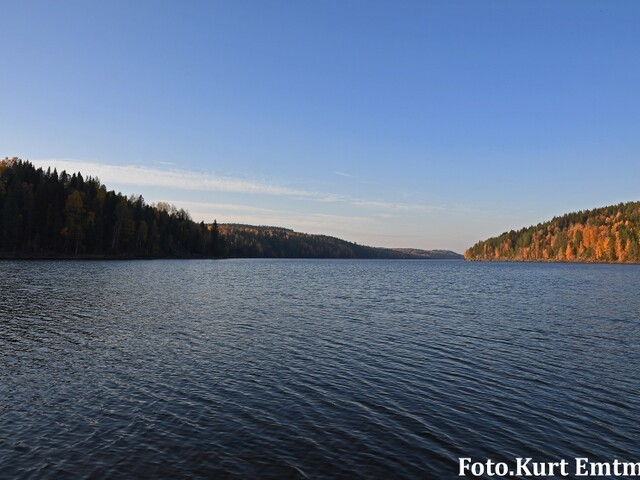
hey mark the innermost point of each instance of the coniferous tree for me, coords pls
(47, 213)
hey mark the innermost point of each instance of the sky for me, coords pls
(426, 124)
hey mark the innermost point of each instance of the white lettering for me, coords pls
(600, 469)
(563, 468)
(522, 469)
(526, 467)
(489, 466)
(631, 469)
(477, 469)
(464, 465)
(501, 469)
(581, 467)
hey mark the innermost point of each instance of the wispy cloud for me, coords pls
(222, 207)
(342, 174)
(170, 178)
(395, 205)
(394, 221)
(173, 178)
(308, 222)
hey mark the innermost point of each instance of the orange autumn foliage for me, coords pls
(608, 234)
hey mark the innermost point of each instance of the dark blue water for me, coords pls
(313, 369)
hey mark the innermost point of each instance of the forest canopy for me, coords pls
(49, 214)
(608, 234)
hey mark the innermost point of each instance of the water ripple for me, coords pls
(312, 369)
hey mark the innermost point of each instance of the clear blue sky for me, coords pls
(424, 124)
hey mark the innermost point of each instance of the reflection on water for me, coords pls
(313, 368)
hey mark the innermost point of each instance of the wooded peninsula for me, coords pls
(51, 214)
(605, 235)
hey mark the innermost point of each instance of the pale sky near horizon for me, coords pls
(405, 124)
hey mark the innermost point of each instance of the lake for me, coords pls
(313, 368)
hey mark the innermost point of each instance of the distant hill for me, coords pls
(249, 241)
(608, 234)
(433, 254)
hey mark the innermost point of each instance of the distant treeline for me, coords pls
(608, 234)
(50, 214)
(248, 241)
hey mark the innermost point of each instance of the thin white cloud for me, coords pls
(196, 181)
(342, 174)
(221, 207)
(235, 209)
(395, 206)
(343, 226)
(174, 178)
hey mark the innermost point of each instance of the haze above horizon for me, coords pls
(420, 124)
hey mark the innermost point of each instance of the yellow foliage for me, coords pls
(569, 253)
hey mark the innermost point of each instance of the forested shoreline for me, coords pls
(57, 215)
(51, 214)
(46, 214)
(250, 241)
(603, 235)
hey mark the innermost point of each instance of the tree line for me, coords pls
(49, 214)
(248, 241)
(607, 234)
